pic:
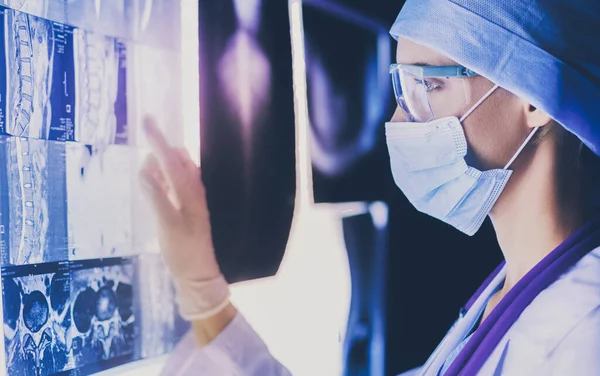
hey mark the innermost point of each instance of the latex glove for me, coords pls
(174, 185)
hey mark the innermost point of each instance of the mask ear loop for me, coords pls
(524, 142)
(521, 148)
(478, 103)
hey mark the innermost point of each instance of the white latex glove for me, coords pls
(173, 183)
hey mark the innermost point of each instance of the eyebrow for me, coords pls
(441, 63)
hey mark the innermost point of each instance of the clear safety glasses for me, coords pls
(412, 87)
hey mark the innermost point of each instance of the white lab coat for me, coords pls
(557, 334)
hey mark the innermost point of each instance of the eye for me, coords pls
(429, 85)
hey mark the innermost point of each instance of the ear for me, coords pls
(536, 117)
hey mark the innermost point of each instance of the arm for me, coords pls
(221, 342)
(236, 350)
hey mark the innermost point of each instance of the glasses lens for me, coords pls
(416, 97)
(398, 94)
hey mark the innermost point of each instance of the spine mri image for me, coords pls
(32, 201)
(38, 69)
(61, 83)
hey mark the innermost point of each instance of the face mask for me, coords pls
(428, 165)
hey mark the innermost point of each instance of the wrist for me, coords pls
(206, 330)
(201, 299)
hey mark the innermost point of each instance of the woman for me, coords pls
(497, 115)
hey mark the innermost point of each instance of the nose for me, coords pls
(399, 115)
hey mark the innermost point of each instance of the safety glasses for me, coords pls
(412, 87)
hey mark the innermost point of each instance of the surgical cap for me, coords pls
(544, 51)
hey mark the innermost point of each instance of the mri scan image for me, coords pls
(103, 305)
(69, 316)
(54, 10)
(161, 325)
(37, 319)
(33, 201)
(84, 285)
(111, 17)
(99, 192)
(39, 97)
(4, 205)
(100, 72)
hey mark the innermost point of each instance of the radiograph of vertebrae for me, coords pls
(30, 55)
(101, 112)
(35, 186)
(103, 313)
(99, 193)
(37, 322)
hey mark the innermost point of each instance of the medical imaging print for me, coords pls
(111, 17)
(53, 10)
(104, 313)
(161, 326)
(100, 69)
(33, 202)
(348, 103)
(37, 319)
(38, 68)
(99, 181)
(74, 284)
(69, 317)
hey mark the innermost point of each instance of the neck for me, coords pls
(538, 210)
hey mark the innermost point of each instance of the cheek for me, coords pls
(492, 139)
(399, 116)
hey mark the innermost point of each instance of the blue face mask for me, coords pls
(428, 165)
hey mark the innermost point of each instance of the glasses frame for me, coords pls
(425, 71)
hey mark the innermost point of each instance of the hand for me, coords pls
(176, 191)
(174, 185)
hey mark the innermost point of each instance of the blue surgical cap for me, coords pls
(544, 51)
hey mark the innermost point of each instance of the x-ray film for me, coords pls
(33, 201)
(161, 325)
(104, 307)
(160, 96)
(39, 72)
(348, 92)
(100, 73)
(99, 181)
(158, 24)
(247, 132)
(37, 319)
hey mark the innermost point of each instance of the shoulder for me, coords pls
(571, 301)
(559, 332)
(577, 352)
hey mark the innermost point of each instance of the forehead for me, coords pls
(409, 52)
